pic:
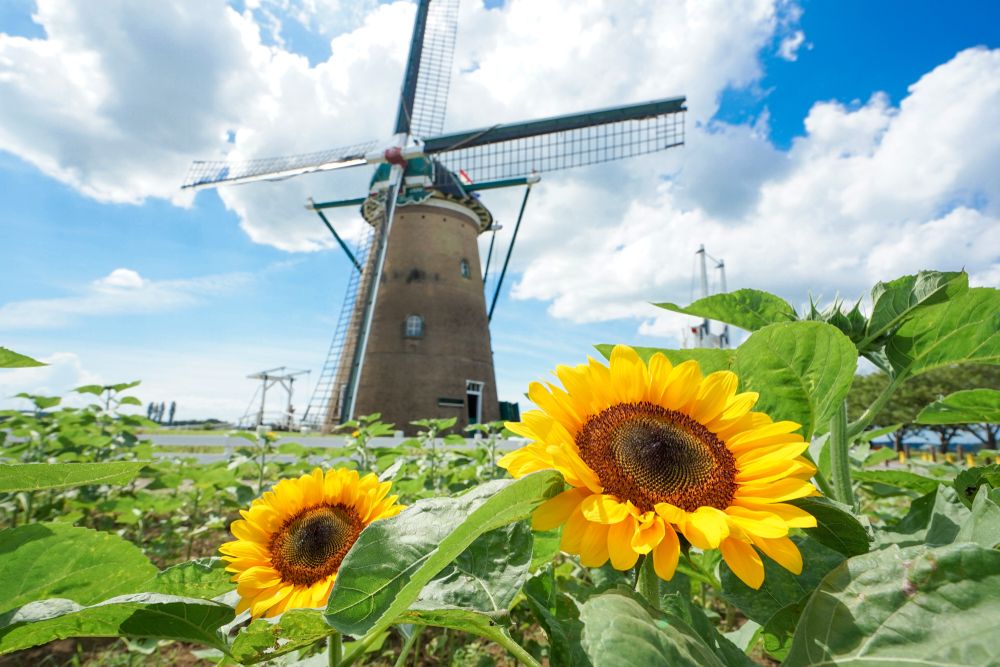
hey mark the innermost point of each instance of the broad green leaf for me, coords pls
(200, 578)
(137, 615)
(983, 526)
(913, 606)
(459, 619)
(935, 518)
(893, 301)
(94, 389)
(559, 616)
(880, 455)
(802, 370)
(967, 482)
(395, 558)
(748, 309)
(37, 476)
(675, 601)
(41, 402)
(836, 525)
(266, 639)
(710, 360)
(618, 630)
(545, 547)
(486, 576)
(52, 560)
(901, 479)
(965, 329)
(868, 436)
(11, 359)
(776, 606)
(971, 406)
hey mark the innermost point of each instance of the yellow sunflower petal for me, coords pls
(744, 561)
(790, 514)
(770, 433)
(799, 468)
(594, 545)
(572, 535)
(682, 385)
(666, 554)
(659, 371)
(768, 454)
(623, 556)
(784, 489)
(753, 523)
(601, 508)
(551, 401)
(556, 511)
(648, 533)
(715, 392)
(706, 527)
(629, 377)
(782, 551)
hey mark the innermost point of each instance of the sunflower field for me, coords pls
(701, 507)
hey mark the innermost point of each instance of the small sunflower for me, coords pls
(651, 451)
(290, 543)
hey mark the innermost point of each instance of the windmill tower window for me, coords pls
(414, 327)
(464, 269)
(474, 400)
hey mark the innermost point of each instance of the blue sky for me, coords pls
(110, 274)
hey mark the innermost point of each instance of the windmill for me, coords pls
(413, 339)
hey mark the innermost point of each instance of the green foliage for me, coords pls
(11, 359)
(837, 527)
(748, 309)
(39, 476)
(970, 406)
(920, 604)
(265, 640)
(802, 370)
(394, 559)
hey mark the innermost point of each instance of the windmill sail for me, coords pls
(430, 100)
(519, 149)
(208, 174)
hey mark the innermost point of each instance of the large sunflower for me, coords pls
(651, 451)
(290, 543)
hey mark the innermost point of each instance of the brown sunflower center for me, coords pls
(311, 545)
(648, 454)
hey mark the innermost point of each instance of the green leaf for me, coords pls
(137, 615)
(802, 370)
(710, 360)
(11, 359)
(868, 436)
(901, 479)
(37, 476)
(935, 518)
(748, 309)
(94, 389)
(41, 561)
(880, 455)
(200, 578)
(618, 630)
(559, 616)
(395, 558)
(459, 619)
(776, 606)
(971, 406)
(983, 526)
(895, 300)
(919, 605)
(545, 547)
(836, 525)
(486, 576)
(130, 400)
(967, 482)
(965, 329)
(266, 639)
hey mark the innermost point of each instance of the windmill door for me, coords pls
(474, 401)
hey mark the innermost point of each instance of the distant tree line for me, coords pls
(918, 392)
(155, 412)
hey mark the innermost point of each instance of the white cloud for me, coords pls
(63, 373)
(870, 192)
(122, 291)
(789, 47)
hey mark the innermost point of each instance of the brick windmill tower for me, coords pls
(413, 338)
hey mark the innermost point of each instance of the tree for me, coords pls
(173, 410)
(918, 392)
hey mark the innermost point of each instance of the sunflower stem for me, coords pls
(840, 462)
(647, 583)
(404, 653)
(862, 422)
(514, 648)
(334, 649)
